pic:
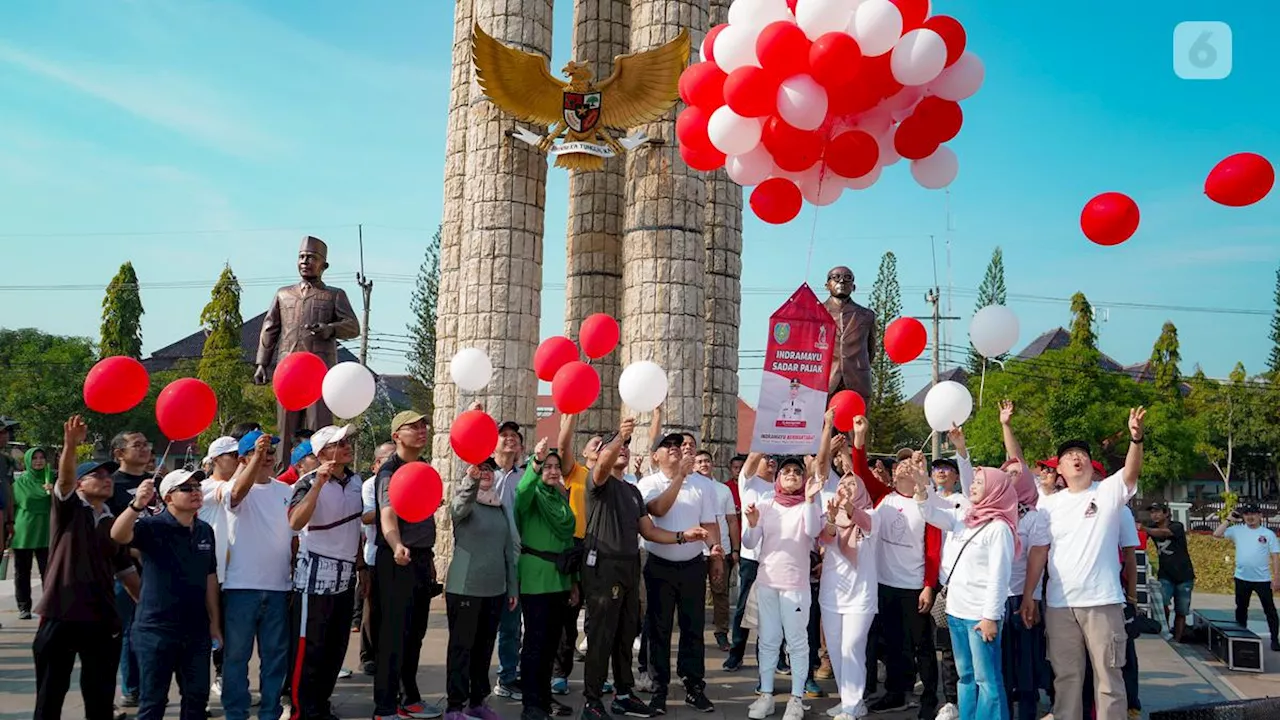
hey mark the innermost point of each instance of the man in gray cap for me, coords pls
(307, 317)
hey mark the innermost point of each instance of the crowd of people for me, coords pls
(1000, 582)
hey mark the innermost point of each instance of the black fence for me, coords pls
(1204, 515)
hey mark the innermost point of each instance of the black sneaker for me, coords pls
(731, 664)
(722, 641)
(784, 667)
(369, 668)
(559, 709)
(889, 703)
(658, 703)
(697, 700)
(631, 707)
(533, 713)
(1275, 644)
(594, 710)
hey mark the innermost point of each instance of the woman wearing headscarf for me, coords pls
(977, 581)
(481, 583)
(31, 500)
(848, 592)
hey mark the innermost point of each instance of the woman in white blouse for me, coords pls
(848, 591)
(977, 581)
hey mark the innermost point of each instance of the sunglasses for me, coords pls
(186, 488)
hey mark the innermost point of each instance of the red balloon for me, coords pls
(751, 92)
(791, 5)
(702, 160)
(599, 335)
(416, 491)
(299, 380)
(905, 339)
(793, 149)
(877, 72)
(913, 13)
(702, 84)
(952, 33)
(575, 388)
(834, 60)
(944, 118)
(552, 354)
(709, 44)
(691, 128)
(852, 154)
(1239, 180)
(473, 436)
(848, 405)
(783, 49)
(912, 139)
(185, 408)
(776, 201)
(853, 99)
(1110, 218)
(115, 384)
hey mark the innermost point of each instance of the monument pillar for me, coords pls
(663, 249)
(593, 257)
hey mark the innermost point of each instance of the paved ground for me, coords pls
(1171, 676)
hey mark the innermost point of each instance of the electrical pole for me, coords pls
(366, 289)
(933, 297)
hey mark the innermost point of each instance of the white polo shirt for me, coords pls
(696, 504)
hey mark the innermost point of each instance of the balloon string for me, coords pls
(813, 230)
(982, 385)
(160, 463)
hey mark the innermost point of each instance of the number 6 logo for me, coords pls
(1202, 50)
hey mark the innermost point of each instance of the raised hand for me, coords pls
(1136, 417)
(813, 488)
(752, 514)
(833, 509)
(829, 416)
(686, 465)
(626, 428)
(540, 450)
(1006, 411)
(324, 472)
(838, 442)
(146, 493)
(476, 406)
(74, 431)
(956, 437)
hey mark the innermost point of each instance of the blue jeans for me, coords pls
(248, 615)
(1179, 594)
(1024, 658)
(128, 656)
(509, 646)
(981, 685)
(162, 653)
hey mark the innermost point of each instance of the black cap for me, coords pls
(786, 460)
(487, 464)
(669, 440)
(1159, 506)
(513, 426)
(1075, 445)
(1249, 507)
(946, 463)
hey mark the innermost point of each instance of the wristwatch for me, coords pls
(137, 509)
(679, 537)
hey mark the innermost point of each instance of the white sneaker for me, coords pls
(644, 683)
(835, 711)
(762, 708)
(215, 688)
(344, 673)
(795, 709)
(948, 712)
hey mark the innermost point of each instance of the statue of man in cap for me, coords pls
(307, 317)
(855, 336)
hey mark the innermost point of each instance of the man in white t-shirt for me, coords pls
(1085, 612)
(1257, 565)
(727, 519)
(222, 459)
(255, 587)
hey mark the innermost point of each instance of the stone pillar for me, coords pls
(723, 240)
(663, 251)
(593, 257)
(453, 225)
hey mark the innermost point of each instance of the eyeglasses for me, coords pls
(139, 445)
(846, 277)
(186, 488)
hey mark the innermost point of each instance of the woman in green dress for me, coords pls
(31, 500)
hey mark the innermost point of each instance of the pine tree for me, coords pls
(992, 291)
(884, 407)
(1164, 362)
(1082, 332)
(222, 365)
(422, 331)
(122, 311)
(1273, 362)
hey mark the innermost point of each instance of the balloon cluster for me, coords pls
(575, 385)
(804, 99)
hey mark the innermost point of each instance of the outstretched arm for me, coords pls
(564, 443)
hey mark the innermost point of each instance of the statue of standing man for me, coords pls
(307, 317)
(855, 336)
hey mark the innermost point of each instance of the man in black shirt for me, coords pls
(132, 452)
(616, 514)
(1176, 574)
(405, 577)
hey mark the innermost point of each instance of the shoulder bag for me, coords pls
(939, 611)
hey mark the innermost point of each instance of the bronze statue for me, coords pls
(855, 336)
(307, 317)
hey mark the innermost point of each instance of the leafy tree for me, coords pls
(1273, 362)
(121, 332)
(41, 384)
(1164, 362)
(422, 331)
(1082, 331)
(1229, 419)
(222, 364)
(884, 407)
(991, 292)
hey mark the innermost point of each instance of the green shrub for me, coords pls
(1214, 561)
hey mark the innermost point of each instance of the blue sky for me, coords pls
(185, 135)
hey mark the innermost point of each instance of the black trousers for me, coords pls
(1244, 589)
(56, 646)
(22, 574)
(908, 640)
(739, 635)
(544, 619)
(217, 653)
(473, 628)
(404, 602)
(369, 617)
(322, 624)
(950, 675)
(562, 664)
(676, 590)
(612, 599)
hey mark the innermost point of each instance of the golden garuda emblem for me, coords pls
(642, 88)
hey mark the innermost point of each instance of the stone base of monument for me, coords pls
(1257, 709)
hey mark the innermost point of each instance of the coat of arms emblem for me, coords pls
(782, 333)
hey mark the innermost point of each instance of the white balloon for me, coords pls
(471, 369)
(348, 389)
(736, 47)
(947, 403)
(702, 50)
(819, 17)
(802, 102)
(731, 133)
(905, 99)
(750, 168)
(961, 80)
(758, 13)
(888, 153)
(876, 25)
(936, 171)
(874, 121)
(993, 330)
(864, 182)
(822, 188)
(918, 57)
(643, 385)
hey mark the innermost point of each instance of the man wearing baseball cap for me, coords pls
(78, 616)
(1257, 565)
(177, 616)
(1176, 574)
(506, 476)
